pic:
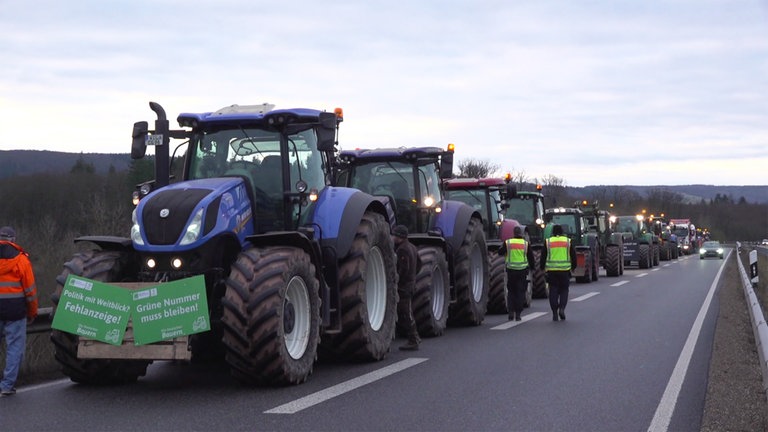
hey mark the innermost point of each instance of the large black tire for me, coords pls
(612, 261)
(644, 256)
(497, 294)
(271, 316)
(656, 254)
(596, 264)
(368, 293)
(528, 293)
(102, 266)
(433, 293)
(539, 286)
(471, 279)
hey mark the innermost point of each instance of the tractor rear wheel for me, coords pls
(656, 255)
(271, 316)
(368, 294)
(433, 292)
(102, 266)
(644, 256)
(538, 277)
(470, 278)
(596, 264)
(613, 261)
(497, 294)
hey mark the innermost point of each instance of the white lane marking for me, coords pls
(668, 401)
(585, 296)
(341, 388)
(656, 269)
(620, 283)
(667, 265)
(641, 275)
(44, 385)
(510, 324)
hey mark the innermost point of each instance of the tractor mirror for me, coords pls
(139, 145)
(326, 133)
(510, 190)
(326, 139)
(446, 165)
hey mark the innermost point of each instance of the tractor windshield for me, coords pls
(405, 187)
(260, 157)
(629, 224)
(568, 221)
(521, 209)
(485, 201)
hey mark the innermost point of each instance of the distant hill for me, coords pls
(692, 194)
(24, 162)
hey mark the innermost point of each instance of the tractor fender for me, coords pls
(507, 229)
(337, 214)
(453, 220)
(616, 239)
(110, 243)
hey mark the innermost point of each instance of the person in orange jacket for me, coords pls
(18, 305)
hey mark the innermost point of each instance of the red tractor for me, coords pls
(488, 196)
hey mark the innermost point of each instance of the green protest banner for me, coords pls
(93, 309)
(170, 310)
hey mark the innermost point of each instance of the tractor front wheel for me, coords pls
(433, 293)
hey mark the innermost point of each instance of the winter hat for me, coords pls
(7, 233)
(400, 231)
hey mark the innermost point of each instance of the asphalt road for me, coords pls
(661, 349)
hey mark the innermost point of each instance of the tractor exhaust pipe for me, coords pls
(161, 139)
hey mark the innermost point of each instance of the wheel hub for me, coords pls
(289, 317)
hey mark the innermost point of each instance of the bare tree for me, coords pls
(474, 168)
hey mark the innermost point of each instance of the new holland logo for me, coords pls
(164, 213)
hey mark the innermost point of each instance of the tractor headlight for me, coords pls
(193, 229)
(429, 201)
(136, 229)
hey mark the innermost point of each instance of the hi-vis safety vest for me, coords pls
(517, 254)
(558, 254)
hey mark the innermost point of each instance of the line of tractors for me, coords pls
(292, 237)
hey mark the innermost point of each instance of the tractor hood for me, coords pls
(182, 216)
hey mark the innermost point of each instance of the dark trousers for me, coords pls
(405, 315)
(517, 281)
(559, 281)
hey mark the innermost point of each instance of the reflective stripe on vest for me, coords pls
(558, 254)
(517, 250)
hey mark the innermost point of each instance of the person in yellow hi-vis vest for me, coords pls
(559, 258)
(518, 258)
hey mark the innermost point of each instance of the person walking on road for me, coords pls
(407, 268)
(559, 258)
(518, 256)
(18, 305)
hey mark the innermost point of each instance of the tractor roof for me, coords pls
(260, 115)
(478, 183)
(390, 154)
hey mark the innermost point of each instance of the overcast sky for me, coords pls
(643, 92)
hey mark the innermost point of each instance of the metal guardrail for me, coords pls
(41, 324)
(759, 326)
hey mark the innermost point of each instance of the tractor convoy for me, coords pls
(288, 240)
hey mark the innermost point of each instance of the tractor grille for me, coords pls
(180, 204)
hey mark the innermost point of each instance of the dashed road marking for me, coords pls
(641, 275)
(510, 324)
(341, 388)
(620, 283)
(585, 296)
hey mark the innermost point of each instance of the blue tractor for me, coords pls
(287, 256)
(453, 281)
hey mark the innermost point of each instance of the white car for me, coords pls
(764, 242)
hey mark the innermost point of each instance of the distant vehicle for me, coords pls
(711, 249)
(764, 242)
